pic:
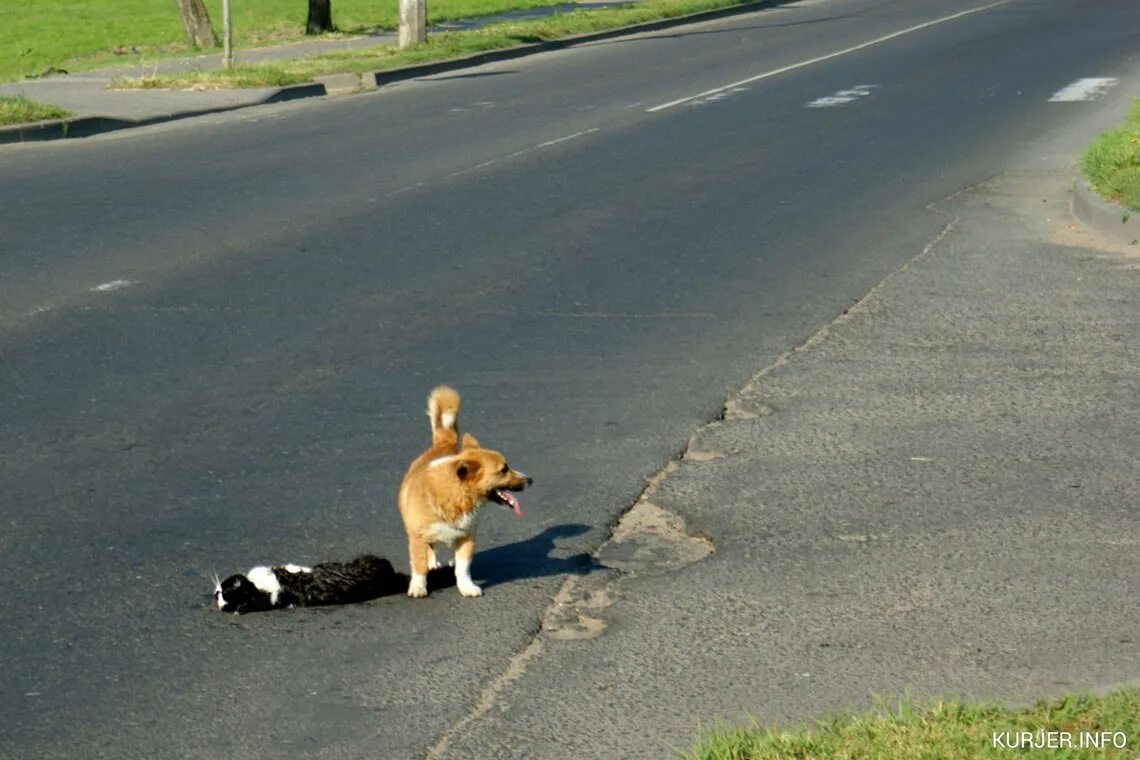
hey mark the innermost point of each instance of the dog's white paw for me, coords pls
(433, 563)
(418, 587)
(470, 589)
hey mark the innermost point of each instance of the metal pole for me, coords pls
(227, 37)
(413, 22)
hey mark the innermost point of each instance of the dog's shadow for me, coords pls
(531, 558)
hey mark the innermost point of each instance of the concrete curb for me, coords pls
(505, 54)
(1106, 217)
(86, 126)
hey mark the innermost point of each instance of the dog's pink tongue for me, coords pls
(514, 502)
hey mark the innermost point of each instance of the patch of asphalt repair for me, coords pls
(646, 539)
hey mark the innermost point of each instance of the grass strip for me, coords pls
(439, 47)
(241, 75)
(1112, 162)
(21, 110)
(947, 731)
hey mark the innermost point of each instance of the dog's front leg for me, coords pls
(464, 551)
(418, 554)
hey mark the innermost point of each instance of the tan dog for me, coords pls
(442, 493)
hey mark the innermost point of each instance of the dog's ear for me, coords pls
(467, 469)
(469, 442)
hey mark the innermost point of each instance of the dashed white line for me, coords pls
(493, 161)
(1090, 88)
(107, 287)
(407, 188)
(842, 97)
(567, 137)
(828, 57)
(716, 96)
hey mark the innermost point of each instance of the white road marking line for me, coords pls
(828, 57)
(716, 96)
(107, 287)
(842, 97)
(1091, 88)
(476, 167)
(567, 137)
(407, 189)
(493, 161)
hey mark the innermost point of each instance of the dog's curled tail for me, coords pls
(443, 411)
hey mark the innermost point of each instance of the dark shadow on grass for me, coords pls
(372, 31)
(525, 14)
(526, 39)
(531, 558)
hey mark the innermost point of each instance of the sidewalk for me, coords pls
(937, 492)
(98, 109)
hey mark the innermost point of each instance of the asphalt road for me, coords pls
(217, 337)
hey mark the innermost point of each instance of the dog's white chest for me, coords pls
(450, 532)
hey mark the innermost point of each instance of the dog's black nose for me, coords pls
(529, 480)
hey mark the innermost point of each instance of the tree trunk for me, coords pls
(197, 23)
(320, 17)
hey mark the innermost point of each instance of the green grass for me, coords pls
(1112, 162)
(243, 75)
(83, 34)
(944, 730)
(438, 47)
(20, 110)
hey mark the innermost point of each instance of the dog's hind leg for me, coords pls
(434, 550)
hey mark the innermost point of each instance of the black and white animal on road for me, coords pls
(280, 586)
